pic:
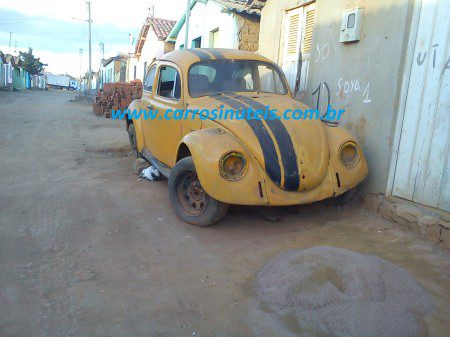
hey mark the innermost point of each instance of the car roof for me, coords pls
(186, 57)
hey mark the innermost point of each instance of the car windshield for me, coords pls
(211, 77)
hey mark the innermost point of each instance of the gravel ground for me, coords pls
(336, 292)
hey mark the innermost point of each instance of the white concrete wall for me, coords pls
(2, 74)
(364, 78)
(6, 74)
(203, 20)
(271, 28)
(153, 48)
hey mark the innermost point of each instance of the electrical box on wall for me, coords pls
(351, 25)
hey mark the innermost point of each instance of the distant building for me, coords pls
(151, 44)
(20, 75)
(219, 24)
(95, 82)
(113, 70)
(6, 71)
(14, 77)
(38, 81)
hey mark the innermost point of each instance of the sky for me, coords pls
(56, 31)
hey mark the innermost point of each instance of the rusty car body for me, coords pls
(213, 163)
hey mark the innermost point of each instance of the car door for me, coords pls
(165, 129)
(147, 101)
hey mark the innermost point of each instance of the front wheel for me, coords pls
(343, 199)
(189, 200)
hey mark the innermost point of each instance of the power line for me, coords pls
(22, 19)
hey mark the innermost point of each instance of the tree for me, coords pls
(30, 63)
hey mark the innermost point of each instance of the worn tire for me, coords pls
(348, 197)
(132, 138)
(214, 211)
(344, 199)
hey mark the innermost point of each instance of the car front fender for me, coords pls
(345, 178)
(206, 147)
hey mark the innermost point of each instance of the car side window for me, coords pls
(150, 79)
(169, 83)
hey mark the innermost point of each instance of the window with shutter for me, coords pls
(299, 26)
(309, 27)
(292, 39)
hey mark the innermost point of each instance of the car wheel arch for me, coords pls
(183, 152)
(206, 146)
(136, 104)
(140, 140)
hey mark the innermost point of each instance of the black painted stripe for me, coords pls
(285, 145)
(200, 54)
(217, 54)
(272, 166)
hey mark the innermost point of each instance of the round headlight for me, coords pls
(349, 154)
(232, 165)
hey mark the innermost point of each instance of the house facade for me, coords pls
(112, 70)
(387, 64)
(20, 75)
(13, 76)
(150, 45)
(6, 72)
(218, 24)
(38, 82)
(19, 78)
(96, 81)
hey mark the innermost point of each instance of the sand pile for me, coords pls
(327, 291)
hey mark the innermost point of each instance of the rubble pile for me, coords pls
(115, 96)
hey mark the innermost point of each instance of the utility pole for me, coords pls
(186, 26)
(88, 3)
(152, 11)
(9, 46)
(81, 66)
(102, 49)
(130, 43)
(100, 71)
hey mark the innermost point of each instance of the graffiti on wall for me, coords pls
(354, 87)
(323, 50)
(323, 96)
(422, 56)
(328, 92)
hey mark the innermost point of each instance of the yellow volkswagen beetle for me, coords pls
(213, 160)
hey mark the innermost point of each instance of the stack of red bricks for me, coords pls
(115, 96)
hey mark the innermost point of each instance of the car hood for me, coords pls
(294, 153)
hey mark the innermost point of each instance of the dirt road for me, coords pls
(88, 250)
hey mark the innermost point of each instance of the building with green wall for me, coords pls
(19, 78)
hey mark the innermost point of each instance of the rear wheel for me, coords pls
(132, 137)
(189, 200)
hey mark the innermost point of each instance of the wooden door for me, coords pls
(422, 167)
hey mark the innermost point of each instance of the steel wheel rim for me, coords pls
(191, 195)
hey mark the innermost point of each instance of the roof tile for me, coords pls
(252, 7)
(161, 27)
